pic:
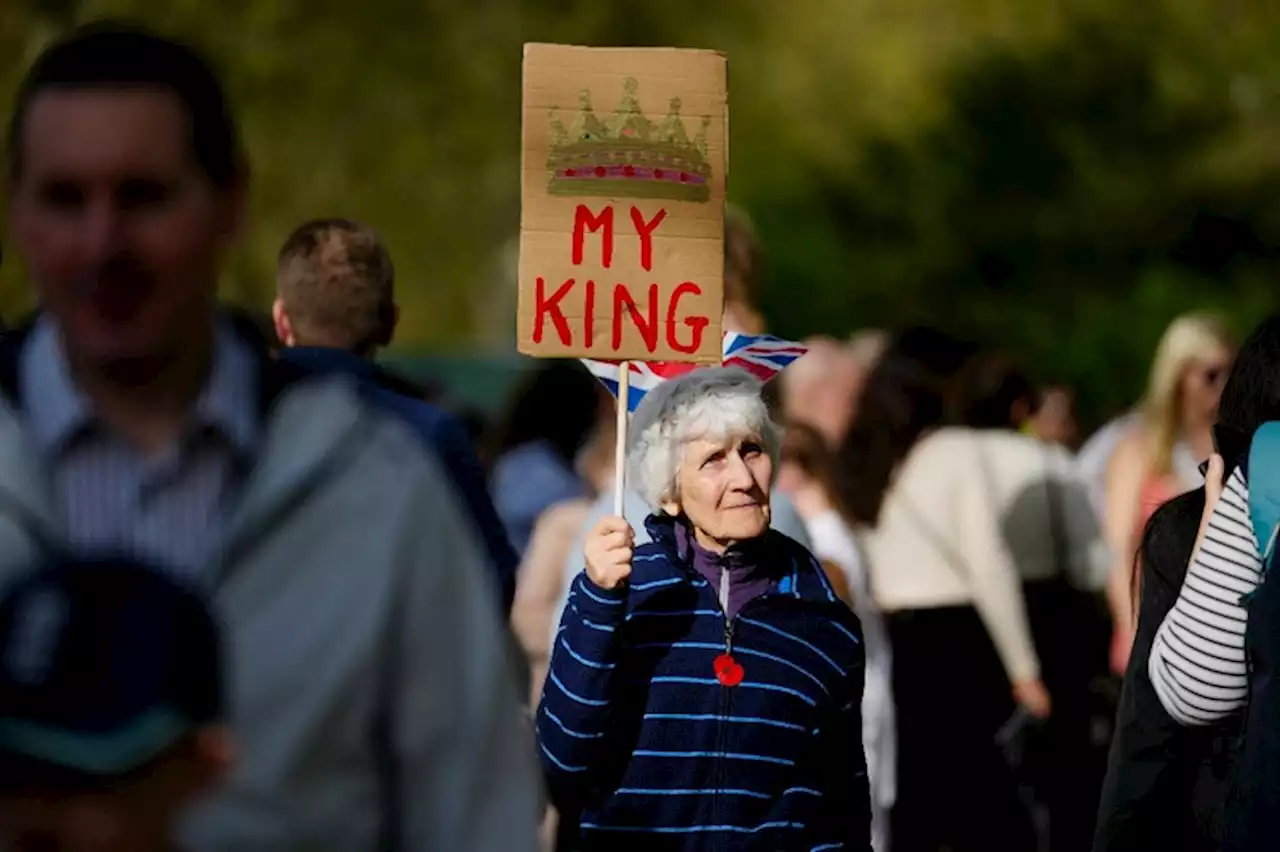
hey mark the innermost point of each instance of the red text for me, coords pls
(584, 220)
(641, 313)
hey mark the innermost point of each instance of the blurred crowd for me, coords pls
(265, 594)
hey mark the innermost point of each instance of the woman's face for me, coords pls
(724, 490)
(1202, 383)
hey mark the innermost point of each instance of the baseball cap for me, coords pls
(104, 664)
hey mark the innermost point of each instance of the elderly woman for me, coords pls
(705, 690)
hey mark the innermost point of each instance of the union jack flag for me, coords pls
(762, 355)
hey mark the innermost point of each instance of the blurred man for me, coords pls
(371, 695)
(867, 346)
(1055, 418)
(335, 308)
(821, 389)
(112, 712)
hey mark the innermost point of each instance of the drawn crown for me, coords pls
(628, 155)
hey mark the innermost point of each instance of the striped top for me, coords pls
(635, 728)
(1197, 663)
(166, 507)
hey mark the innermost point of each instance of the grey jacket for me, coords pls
(371, 694)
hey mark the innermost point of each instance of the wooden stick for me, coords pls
(620, 447)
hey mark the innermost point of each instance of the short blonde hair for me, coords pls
(337, 283)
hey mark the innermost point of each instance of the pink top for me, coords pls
(1156, 491)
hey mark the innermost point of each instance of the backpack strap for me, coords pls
(1264, 488)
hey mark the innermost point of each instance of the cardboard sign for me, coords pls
(622, 221)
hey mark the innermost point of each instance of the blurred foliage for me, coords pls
(1060, 176)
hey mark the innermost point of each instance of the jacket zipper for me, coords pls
(726, 702)
(726, 707)
(726, 692)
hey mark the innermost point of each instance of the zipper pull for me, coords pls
(727, 669)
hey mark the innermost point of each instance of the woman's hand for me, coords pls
(1121, 644)
(1212, 491)
(608, 550)
(1032, 695)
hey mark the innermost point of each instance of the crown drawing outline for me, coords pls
(627, 155)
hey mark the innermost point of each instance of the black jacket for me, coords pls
(1166, 784)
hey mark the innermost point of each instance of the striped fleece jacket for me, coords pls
(639, 736)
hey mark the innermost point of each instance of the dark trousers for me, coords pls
(954, 788)
(1071, 642)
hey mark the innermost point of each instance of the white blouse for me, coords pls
(833, 542)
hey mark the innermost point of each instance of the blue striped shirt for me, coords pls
(167, 507)
(636, 730)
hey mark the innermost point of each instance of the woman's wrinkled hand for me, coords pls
(608, 551)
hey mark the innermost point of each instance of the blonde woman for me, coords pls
(1158, 457)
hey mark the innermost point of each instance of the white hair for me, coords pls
(713, 403)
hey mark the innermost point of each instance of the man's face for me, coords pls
(121, 229)
(826, 395)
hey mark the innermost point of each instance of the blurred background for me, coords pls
(1058, 177)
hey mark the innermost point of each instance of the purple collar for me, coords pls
(737, 576)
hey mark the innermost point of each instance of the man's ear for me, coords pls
(284, 328)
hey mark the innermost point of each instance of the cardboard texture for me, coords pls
(622, 219)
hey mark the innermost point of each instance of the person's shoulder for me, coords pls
(945, 439)
(384, 443)
(789, 553)
(565, 518)
(357, 466)
(942, 448)
(812, 584)
(831, 537)
(828, 524)
(432, 421)
(1131, 437)
(532, 465)
(1131, 454)
(655, 549)
(1027, 449)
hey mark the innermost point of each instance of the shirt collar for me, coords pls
(327, 359)
(57, 411)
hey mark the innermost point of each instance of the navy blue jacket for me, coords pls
(636, 731)
(443, 432)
